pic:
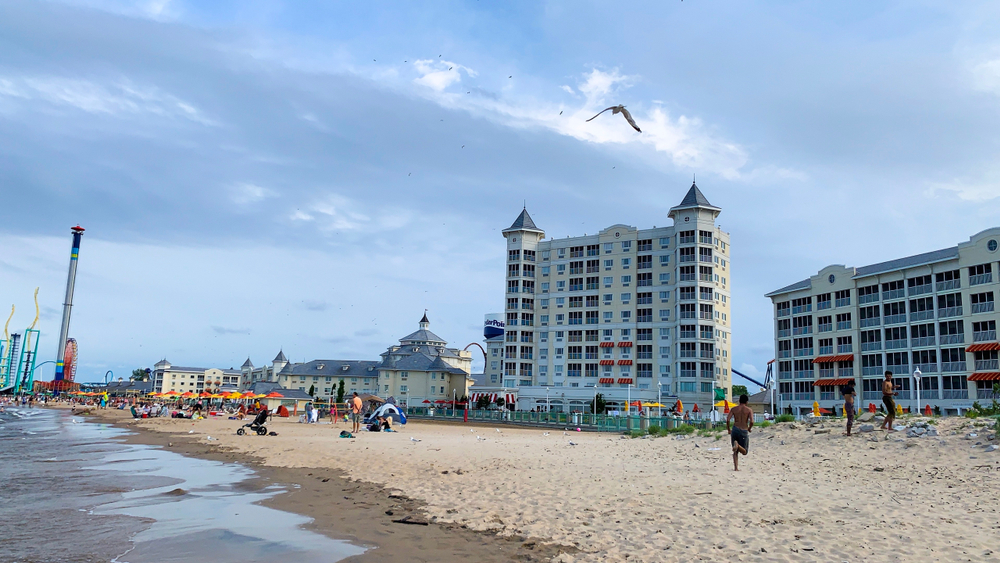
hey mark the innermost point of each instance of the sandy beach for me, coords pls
(804, 493)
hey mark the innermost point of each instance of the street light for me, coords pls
(916, 378)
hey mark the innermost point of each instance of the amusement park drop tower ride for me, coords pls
(68, 304)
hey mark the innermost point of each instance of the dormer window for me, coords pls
(320, 366)
(345, 367)
(416, 348)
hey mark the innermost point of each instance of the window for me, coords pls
(842, 298)
(980, 274)
(560, 269)
(545, 287)
(545, 271)
(575, 336)
(576, 252)
(982, 302)
(575, 302)
(626, 280)
(592, 282)
(609, 247)
(593, 249)
(644, 280)
(823, 301)
(625, 298)
(576, 284)
(513, 255)
(664, 278)
(576, 318)
(608, 280)
(626, 246)
(608, 264)
(664, 296)
(644, 262)
(626, 262)
(665, 260)
(664, 314)
(576, 267)
(626, 316)
(664, 242)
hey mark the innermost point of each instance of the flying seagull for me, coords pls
(620, 109)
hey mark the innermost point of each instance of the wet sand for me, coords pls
(352, 510)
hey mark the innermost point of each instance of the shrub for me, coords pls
(765, 424)
(654, 429)
(636, 433)
(681, 429)
(785, 418)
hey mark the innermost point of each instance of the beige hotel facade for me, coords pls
(933, 312)
(627, 312)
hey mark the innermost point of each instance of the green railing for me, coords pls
(584, 421)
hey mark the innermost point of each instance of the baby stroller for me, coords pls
(257, 425)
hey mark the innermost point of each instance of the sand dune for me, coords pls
(800, 496)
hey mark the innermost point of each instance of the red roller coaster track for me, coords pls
(477, 345)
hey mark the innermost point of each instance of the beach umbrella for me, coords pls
(927, 411)
(427, 401)
(188, 395)
(825, 411)
(696, 409)
(205, 394)
(652, 405)
(274, 395)
(725, 403)
(680, 406)
(152, 394)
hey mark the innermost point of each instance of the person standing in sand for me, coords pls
(849, 410)
(740, 436)
(333, 412)
(356, 412)
(887, 400)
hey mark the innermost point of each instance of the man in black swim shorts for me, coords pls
(742, 416)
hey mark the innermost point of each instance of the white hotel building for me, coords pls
(625, 312)
(933, 312)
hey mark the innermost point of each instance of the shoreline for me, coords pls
(347, 509)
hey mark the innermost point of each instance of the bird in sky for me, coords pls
(619, 109)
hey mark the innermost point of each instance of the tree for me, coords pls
(139, 374)
(312, 391)
(500, 402)
(602, 405)
(340, 391)
(483, 402)
(739, 390)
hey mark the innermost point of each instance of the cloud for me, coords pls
(119, 98)
(313, 305)
(438, 75)
(969, 189)
(247, 194)
(336, 213)
(225, 330)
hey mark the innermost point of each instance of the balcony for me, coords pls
(685, 240)
(952, 339)
(895, 319)
(805, 396)
(893, 294)
(895, 344)
(687, 314)
(784, 312)
(844, 325)
(982, 307)
(827, 396)
(984, 336)
(689, 373)
(870, 298)
(705, 240)
(904, 394)
(826, 373)
(825, 327)
(784, 375)
(801, 330)
(786, 396)
(820, 305)
(949, 312)
(705, 277)
(899, 370)
(980, 279)
(954, 394)
(921, 316)
(845, 302)
(784, 332)
(874, 321)
(686, 258)
(704, 315)
(922, 341)
(920, 289)
(804, 352)
(987, 365)
(802, 309)
(845, 372)
(871, 396)
(869, 346)
(708, 375)
(926, 368)
(704, 258)
(952, 366)
(950, 284)
(807, 374)
(929, 394)
(689, 334)
(845, 348)
(825, 350)
(785, 354)
(686, 296)
(871, 370)
(686, 277)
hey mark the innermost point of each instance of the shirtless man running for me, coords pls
(888, 393)
(740, 436)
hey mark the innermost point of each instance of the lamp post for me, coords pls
(916, 386)
(547, 407)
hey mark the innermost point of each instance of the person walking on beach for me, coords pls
(887, 400)
(356, 412)
(740, 436)
(333, 412)
(849, 410)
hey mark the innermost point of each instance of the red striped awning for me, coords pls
(624, 362)
(841, 381)
(606, 380)
(983, 347)
(624, 344)
(985, 376)
(607, 344)
(607, 362)
(625, 380)
(511, 399)
(837, 358)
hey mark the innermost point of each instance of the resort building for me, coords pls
(322, 376)
(932, 312)
(422, 368)
(627, 312)
(168, 377)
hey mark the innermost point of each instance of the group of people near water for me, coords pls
(742, 416)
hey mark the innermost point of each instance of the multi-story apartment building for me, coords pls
(323, 376)
(168, 377)
(627, 312)
(423, 368)
(933, 312)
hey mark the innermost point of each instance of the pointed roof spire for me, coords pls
(280, 357)
(424, 319)
(523, 223)
(247, 364)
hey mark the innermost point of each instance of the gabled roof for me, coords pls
(280, 357)
(909, 261)
(523, 223)
(335, 368)
(424, 319)
(420, 361)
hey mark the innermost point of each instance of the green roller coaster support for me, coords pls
(25, 375)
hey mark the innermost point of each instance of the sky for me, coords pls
(311, 176)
